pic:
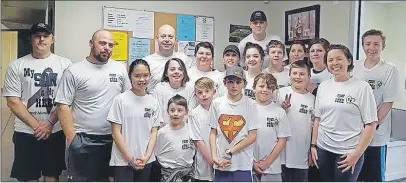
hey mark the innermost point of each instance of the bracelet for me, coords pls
(131, 162)
(313, 145)
(50, 122)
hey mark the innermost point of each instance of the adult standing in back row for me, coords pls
(258, 24)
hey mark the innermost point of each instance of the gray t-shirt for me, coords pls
(90, 89)
(174, 148)
(137, 115)
(384, 81)
(343, 108)
(35, 82)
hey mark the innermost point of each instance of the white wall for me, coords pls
(75, 21)
(3, 26)
(391, 20)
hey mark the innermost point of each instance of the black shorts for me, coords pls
(129, 174)
(374, 167)
(88, 158)
(33, 158)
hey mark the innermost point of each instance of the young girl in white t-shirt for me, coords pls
(175, 80)
(174, 148)
(273, 131)
(253, 56)
(134, 117)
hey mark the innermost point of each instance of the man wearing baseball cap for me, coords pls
(258, 24)
(234, 123)
(30, 89)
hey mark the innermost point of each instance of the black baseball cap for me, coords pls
(258, 16)
(41, 27)
(232, 48)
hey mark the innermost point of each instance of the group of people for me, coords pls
(313, 114)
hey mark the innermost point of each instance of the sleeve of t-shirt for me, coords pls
(66, 89)
(12, 83)
(115, 115)
(317, 110)
(157, 118)
(253, 122)
(367, 105)
(284, 126)
(160, 140)
(213, 117)
(195, 129)
(391, 91)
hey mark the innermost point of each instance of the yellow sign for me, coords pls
(120, 49)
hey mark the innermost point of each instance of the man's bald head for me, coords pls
(101, 32)
(166, 37)
(101, 45)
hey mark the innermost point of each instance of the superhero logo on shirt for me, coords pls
(231, 125)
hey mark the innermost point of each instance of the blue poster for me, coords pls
(138, 48)
(186, 28)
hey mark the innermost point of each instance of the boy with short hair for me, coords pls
(299, 106)
(383, 78)
(234, 123)
(200, 129)
(174, 149)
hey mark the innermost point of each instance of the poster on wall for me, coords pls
(117, 19)
(120, 49)
(204, 29)
(238, 32)
(143, 24)
(185, 27)
(187, 47)
(138, 48)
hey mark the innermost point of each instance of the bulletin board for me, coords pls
(134, 31)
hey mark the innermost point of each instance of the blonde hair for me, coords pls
(269, 79)
(204, 83)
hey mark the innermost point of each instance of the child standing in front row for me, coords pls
(272, 133)
(200, 130)
(174, 149)
(134, 117)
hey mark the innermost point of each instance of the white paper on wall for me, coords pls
(143, 24)
(117, 19)
(204, 29)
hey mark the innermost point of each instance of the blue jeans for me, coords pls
(328, 167)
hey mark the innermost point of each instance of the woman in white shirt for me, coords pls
(345, 122)
(254, 56)
(175, 80)
(134, 117)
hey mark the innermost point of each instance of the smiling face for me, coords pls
(253, 58)
(299, 77)
(166, 38)
(337, 63)
(230, 59)
(317, 53)
(175, 72)
(296, 53)
(373, 46)
(263, 91)
(204, 58)
(140, 77)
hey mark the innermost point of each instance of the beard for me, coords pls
(99, 57)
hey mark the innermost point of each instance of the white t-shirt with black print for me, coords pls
(233, 121)
(137, 115)
(195, 74)
(384, 81)
(249, 90)
(343, 108)
(35, 82)
(300, 114)
(199, 124)
(274, 124)
(174, 148)
(317, 77)
(90, 90)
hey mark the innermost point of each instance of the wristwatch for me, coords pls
(228, 152)
(131, 162)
